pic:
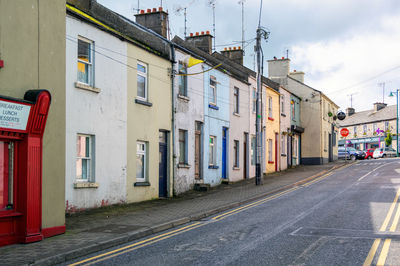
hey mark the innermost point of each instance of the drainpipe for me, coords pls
(173, 115)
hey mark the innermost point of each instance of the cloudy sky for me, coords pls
(344, 46)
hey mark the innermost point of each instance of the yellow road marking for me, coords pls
(396, 219)
(384, 253)
(389, 215)
(137, 243)
(372, 252)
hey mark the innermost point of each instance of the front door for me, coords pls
(330, 148)
(246, 136)
(162, 169)
(197, 151)
(224, 141)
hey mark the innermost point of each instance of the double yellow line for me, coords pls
(386, 245)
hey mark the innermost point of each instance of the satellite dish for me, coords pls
(341, 115)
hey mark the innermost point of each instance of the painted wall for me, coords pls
(252, 125)
(326, 129)
(214, 122)
(100, 114)
(145, 122)
(188, 110)
(272, 129)
(28, 60)
(239, 125)
(285, 124)
(297, 137)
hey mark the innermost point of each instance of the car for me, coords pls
(350, 153)
(369, 154)
(384, 152)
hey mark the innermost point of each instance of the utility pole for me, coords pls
(258, 110)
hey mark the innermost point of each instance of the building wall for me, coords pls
(145, 122)
(239, 125)
(252, 126)
(296, 138)
(31, 62)
(272, 129)
(285, 124)
(214, 122)
(326, 122)
(100, 114)
(188, 111)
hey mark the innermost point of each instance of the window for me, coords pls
(85, 61)
(364, 129)
(374, 128)
(236, 152)
(386, 125)
(212, 160)
(182, 146)
(142, 81)
(141, 161)
(293, 109)
(334, 138)
(236, 100)
(254, 100)
(283, 144)
(84, 158)
(270, 159)
(6, 175)
(182, 70)
(270, 107)
(253, 150)
(282, 104)
(325, 141)
(213, 91)
(355, 130)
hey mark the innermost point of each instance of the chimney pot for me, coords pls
(154, 9)
(230, 48)
(225, 49)
(142, 11)
(202, 33)
(208, 32)
(191, 34)
(197, 33)
(239, 48)
(294, 70)
(148, 10)
(275, 58)
(160, 8)
(234, 48)
(283, 57)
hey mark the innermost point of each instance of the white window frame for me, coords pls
(270, 107)
(212, 160)
(90, 64)
(270, 157)
(236, 148)
(90, 175)
(253, 150)
(254, 100)
(185, 148)
(213, 91)
(236, 99)
(282, 104)
(355, 130)
(365, 129)
(386, 125)
(145, 164)
(145, 75)
(283, 150)
(182, 69)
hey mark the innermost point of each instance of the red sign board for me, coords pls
(344, 132)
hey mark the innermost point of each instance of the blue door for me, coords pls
(224, 141)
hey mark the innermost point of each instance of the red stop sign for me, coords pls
(344, 132)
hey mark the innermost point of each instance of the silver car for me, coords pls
(384, 152)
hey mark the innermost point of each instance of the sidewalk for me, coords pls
(110, 226)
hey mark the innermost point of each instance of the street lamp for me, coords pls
(397, 120)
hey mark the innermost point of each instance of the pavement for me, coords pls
(106, 227)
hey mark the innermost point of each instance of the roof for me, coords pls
(123, 28)
(369, 116)
(213, 61)
(337, 106)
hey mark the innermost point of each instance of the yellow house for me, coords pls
(271, 119)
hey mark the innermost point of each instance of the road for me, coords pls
(348, 217)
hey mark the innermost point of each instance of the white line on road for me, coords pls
(361, 178)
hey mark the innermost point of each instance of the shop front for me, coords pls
(367, 143)
(22, 124)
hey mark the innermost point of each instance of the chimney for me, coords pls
(297, 75)
(202, 40)
(84, 5)
(379, 106)
(154, 19)
(278, 68)
(235, 54)
(350, 111)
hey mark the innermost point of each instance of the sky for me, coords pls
(345, 47)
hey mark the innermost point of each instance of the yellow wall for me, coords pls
(144, 122)
(272, 128)
(326, 127)
(32, 45)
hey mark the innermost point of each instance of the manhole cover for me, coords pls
(115, 228)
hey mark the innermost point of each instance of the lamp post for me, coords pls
(397, 120)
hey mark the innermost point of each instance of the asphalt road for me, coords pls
(348, 217)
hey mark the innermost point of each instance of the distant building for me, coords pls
(368, 129)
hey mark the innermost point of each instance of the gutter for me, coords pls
(173, 62)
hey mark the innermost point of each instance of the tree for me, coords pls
(388, 140)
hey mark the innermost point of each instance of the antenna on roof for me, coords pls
(177, 11)
(212, 4)
(382, 84)
(351, 98)
(241, 2)
(137, 10)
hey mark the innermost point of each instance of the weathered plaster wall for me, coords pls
(103, 115)
(33, 62)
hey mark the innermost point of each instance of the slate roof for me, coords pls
(369, 116)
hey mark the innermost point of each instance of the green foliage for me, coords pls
(388, 140)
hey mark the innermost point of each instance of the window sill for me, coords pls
(183, 98)
(141, 184)
(83, 86)
(270, 162)
(146, 103)
(213, 167)
(78, 185)
(212, 106)
(183, 165)
(271, 119)
(236, 114)
(283, 155)
(235, 168)
(283, 115)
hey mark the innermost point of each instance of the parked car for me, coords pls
(384, 152)
(369, 154)
(350, 153)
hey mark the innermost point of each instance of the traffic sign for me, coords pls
(344, 132)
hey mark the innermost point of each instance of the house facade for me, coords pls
(294, 136)
(272, 131)
(368, 129)
(285, 128)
